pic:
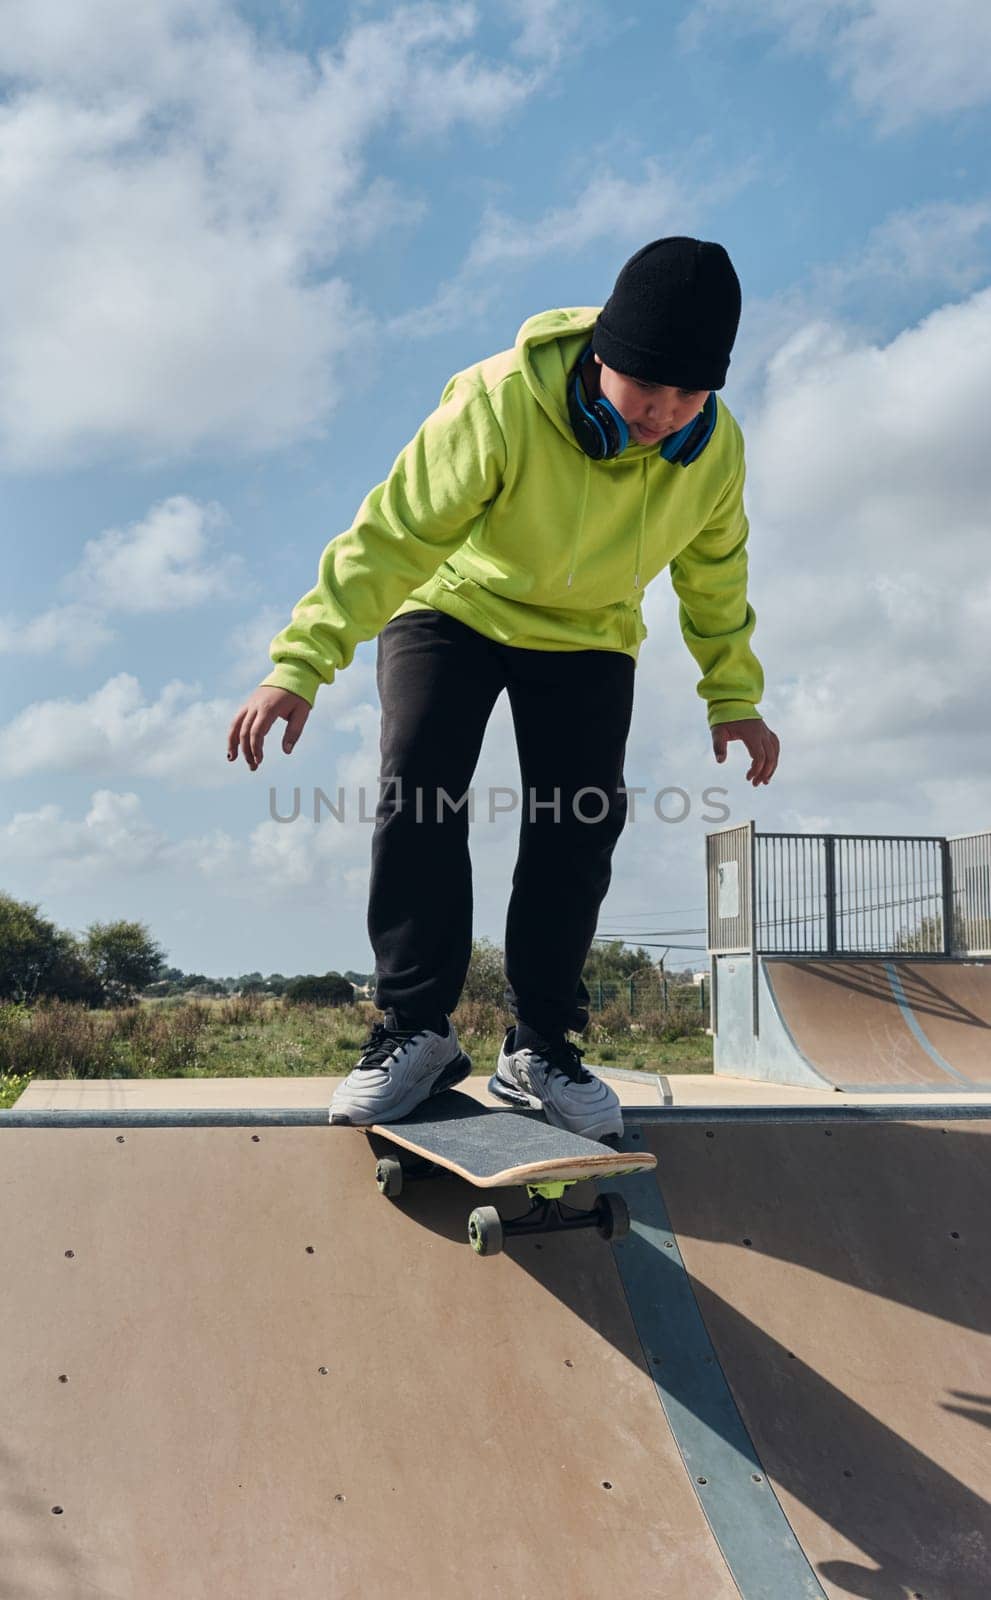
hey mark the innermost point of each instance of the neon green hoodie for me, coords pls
(494, 514)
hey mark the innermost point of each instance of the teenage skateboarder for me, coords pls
(509, 548)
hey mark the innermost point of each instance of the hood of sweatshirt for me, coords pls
(547, 347)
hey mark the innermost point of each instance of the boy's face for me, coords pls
(652, 411)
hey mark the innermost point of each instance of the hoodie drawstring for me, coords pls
(643, 525)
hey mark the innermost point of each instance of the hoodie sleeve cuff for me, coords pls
(733, 711)
(298, 678)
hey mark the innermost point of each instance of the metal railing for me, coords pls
(970, 870)
(848, 894)
(852, 894)
(730, 866)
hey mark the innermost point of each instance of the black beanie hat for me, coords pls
(673, 315)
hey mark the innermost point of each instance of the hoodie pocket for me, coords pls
(466, 589)
(634, 627)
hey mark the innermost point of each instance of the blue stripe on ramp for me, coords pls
(752, 1532)
(894, 979)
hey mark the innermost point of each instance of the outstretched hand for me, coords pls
(762, 744)
(253, 721)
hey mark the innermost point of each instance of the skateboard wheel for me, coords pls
(485, 1231)
(389, 1177)
(614, 1216)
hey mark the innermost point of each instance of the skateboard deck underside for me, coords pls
(492, 1148)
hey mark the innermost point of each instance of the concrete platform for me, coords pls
(636, 1091)
(118, 1093)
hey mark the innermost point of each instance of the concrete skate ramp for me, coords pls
(887, 1024)
(239, 1371)
(951, 1002)
(231, 1367)
(844, 1276)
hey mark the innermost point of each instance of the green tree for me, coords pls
(38, 959)
(486, 976)
(614, 961)
(30, 946)
(125, 958)
(926, 936)
(329, 990)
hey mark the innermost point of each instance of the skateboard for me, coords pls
(491, 1148)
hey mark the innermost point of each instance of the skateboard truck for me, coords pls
(488, 1231)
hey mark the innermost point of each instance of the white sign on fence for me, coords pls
(728, 897)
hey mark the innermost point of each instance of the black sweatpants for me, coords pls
(438, 681)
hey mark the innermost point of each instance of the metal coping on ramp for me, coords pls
(754, 1536)
(316, 1117)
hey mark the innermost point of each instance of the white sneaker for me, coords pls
(398, 1069)
(555, 1080)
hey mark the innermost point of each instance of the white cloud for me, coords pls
(113, 837)
(175, 194)
(114, 841)
(158, 564)
(909, 260)
(610, 209)
(901, 60)
(550, 30)
(79, 632)
(276, 862)
(162, 563)
(942, 245)
(180, 739)
(115, 731)
(880, 434)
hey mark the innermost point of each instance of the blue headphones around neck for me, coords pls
(603, 433)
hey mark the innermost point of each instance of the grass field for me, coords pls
(254, 1036)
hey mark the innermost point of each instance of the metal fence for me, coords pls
(852, 894)
(970, 870)
(730, 864)
(646, 991)
(848, 894)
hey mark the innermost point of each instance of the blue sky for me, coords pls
(245, 247)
